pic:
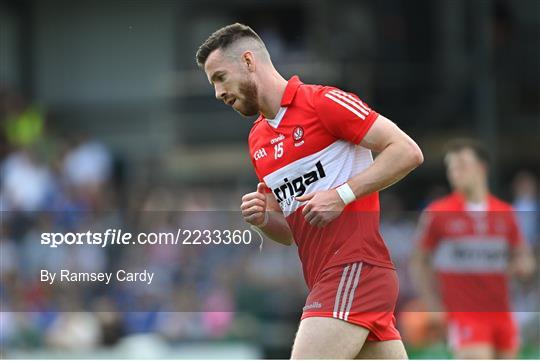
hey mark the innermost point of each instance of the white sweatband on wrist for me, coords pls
(264, 222)
(345, 193)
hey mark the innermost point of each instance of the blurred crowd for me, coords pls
(74, 184)
(52, 183)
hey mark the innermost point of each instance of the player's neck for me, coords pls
(272, 89)
(476, 194)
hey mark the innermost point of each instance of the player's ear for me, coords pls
(248, 60)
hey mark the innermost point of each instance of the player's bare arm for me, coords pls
(399, 155)
(522, 264)
(423, 275)
(262, 210)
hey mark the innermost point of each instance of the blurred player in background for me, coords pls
(311, 148)
(470, 242)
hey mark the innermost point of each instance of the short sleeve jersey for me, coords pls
(470, 251)
(313, 144)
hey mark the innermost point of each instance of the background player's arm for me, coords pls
(521, 259)
(262, 208)
(522, 263)
(399, 155)
(423, 277)
(422, 270)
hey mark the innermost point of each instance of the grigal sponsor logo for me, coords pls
(297, 186)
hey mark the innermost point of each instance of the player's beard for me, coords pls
(250, 99)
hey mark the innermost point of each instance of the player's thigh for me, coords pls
(389, 350)
(478, 351)
(325, 337)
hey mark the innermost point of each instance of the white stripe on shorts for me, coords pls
(346, 292)
(345, 297)
(340, 287)
(351, 296)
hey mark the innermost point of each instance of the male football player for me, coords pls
(469, 241)
(311, 149)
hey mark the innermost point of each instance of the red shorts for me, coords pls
(358, 293)
(493, 328)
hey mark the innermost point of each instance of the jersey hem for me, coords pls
(353, 260)
(368, 260)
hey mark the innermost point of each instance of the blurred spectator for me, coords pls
(74, 331)
(26, 182)
(24, 123)
(218, 316)
(87, 168)
(9, 255)
(525, 294)
(110, 321)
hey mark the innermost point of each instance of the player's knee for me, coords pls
(479, 352)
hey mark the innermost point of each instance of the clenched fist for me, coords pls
(322, 207)
(254, 206)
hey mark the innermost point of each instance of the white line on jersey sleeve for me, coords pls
(352, 100)
(329, 96)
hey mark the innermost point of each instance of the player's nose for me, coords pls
(220, 94)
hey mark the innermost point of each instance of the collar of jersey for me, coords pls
(290, 91)
(288, 96)
(463, 202)
(274, 123)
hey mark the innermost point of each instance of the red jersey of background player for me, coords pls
(470, 252)
(312, 145)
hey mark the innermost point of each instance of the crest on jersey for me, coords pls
(298, 134)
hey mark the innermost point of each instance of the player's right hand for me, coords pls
(254, 206)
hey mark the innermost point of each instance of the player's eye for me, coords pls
(217, 78)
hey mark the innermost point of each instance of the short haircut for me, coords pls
(459, 144)
(223, 38)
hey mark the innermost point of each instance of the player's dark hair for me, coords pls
(459, 144)
(222, 38)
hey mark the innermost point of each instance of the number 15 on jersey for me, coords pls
(278, 150)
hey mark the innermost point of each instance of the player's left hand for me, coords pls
(322, 207)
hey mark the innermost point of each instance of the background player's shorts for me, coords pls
(358, 293)
(497, 329)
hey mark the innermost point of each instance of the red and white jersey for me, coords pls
(470, 251)
(312, 145)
